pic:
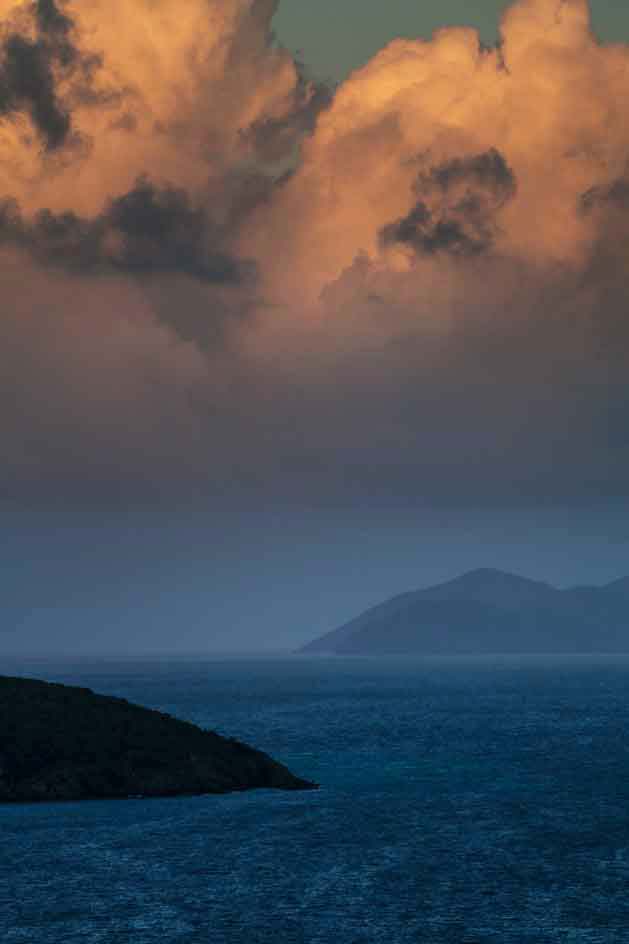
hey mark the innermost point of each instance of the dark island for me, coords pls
(64, 743)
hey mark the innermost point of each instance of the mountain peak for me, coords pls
(495, 576)
(493, 587)
(487, 610)
(619, 586)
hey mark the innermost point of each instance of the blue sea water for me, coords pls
(464, 801)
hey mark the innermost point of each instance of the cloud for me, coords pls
(134, 139)
(547, 100)
(37, 53)
(146, 231)
(457, 203)
(411, 286)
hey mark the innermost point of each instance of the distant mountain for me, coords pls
(487, 611)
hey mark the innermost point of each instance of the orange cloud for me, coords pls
(548, 100)
(226, 264)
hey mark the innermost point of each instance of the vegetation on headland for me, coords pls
(59, 742)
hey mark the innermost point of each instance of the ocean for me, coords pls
(462, 800)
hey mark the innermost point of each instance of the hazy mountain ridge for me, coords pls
(489, 611)
(59, 742)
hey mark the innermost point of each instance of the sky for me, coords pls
(300, 310)
(334, 38)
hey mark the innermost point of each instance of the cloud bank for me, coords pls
(217, 275)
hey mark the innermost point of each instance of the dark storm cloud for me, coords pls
(29, 69)
(51, 20)
(148, 230)
(161, 231)
(613, 196)
(270, 137)
(456, 209)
